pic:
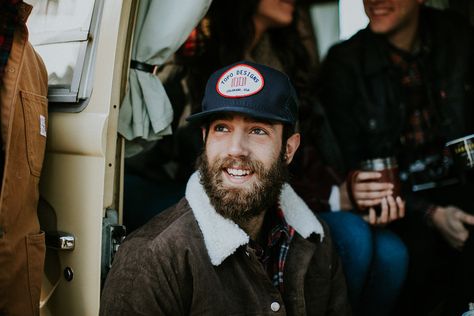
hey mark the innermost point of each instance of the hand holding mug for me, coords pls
(391, 210)
(367, 190)
(376, 197)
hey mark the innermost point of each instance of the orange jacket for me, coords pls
(23, 108)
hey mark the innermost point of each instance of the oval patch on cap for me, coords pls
(240, 81)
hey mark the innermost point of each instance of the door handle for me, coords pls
(59, 240)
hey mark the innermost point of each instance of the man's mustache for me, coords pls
(241, 163)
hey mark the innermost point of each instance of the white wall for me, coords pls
(325, 17)
(352, 17)
(335, 21)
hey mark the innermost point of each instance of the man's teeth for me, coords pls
(380, 11)
(237, 172)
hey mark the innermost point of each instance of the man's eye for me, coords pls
(259, 131)
(221, 128)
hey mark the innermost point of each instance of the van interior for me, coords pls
(108, 169)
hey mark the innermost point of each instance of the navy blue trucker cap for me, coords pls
(251, 89)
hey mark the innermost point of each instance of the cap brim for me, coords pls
(200, 118)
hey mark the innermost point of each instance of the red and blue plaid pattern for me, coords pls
(420, 130)
(422, 158)
(8, 22)
(273, 256)
(279, 241)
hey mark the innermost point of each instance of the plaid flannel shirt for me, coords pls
(420, 130)
(273, 255)
(421, 138)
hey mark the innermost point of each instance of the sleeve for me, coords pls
(470, 86)
(317, 163)
(338, 94)
(143, 281)
(417, 205)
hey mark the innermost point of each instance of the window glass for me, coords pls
(60, 30)
(61, 60)
(55, 21)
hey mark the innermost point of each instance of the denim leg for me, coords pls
(352, 237)
(387, 275)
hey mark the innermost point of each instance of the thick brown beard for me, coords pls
(241, 205)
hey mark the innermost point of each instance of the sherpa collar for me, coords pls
(223, 236)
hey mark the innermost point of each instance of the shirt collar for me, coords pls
(222, 236)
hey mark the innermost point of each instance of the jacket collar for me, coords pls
(24, 10)
(222, 236)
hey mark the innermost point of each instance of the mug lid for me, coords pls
(378, 164)
(459, 139)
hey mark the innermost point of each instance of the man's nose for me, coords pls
(238, 146)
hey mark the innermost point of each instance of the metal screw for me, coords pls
(68, 274)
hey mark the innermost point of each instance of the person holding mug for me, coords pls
(403, 87)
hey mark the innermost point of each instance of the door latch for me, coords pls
(59, 240)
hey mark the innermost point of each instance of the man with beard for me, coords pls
(241, 241)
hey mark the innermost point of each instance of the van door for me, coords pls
(84, 46)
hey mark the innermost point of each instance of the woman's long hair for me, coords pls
(231, 33)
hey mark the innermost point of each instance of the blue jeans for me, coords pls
(374, 260)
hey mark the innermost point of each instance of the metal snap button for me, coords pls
(275, 306)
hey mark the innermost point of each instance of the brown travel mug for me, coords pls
(388, 167)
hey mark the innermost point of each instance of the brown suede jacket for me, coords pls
(191, 261)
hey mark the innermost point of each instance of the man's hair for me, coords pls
(288, 130)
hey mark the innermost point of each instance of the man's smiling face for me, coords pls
(391, 16)
(243, 166)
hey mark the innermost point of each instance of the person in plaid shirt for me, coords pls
(402, 87)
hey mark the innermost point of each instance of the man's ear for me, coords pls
(292, 145)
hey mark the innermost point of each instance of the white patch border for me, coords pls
(241, 95)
